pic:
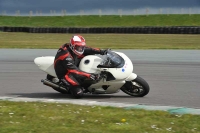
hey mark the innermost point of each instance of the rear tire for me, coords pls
(137, 87)
(62, 91)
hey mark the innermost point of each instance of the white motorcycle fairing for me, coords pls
(89, 64)
(46, 64)
(121, 74)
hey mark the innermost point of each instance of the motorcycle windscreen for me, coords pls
(112, 60)
(118, 64)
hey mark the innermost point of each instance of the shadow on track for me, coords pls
(66, 96)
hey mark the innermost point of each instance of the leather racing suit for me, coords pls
(66, 64)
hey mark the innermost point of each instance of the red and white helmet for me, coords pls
(77, 44)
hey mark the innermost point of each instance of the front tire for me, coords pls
(137, 87)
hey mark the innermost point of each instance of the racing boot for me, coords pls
(76, 91)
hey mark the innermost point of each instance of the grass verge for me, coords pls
(113, 41)
(37, 117)
(103, 21)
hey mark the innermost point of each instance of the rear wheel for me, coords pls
(63, 91)
(137, 87)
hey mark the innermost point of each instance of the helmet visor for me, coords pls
(79, 49)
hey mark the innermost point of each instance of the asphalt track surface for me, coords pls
(173, 76)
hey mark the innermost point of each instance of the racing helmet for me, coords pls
(77, 44)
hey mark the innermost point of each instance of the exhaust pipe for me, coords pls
(51, 84)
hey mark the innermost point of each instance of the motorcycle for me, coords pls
(115, 72)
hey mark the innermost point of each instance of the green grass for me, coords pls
(113, 41)
(37, 117)
(103, 21)
(118, 41)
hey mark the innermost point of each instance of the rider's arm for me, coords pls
(92, 51)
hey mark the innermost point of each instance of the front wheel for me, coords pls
(137, 87)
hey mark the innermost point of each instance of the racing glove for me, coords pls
(104, 52)
(94, 76)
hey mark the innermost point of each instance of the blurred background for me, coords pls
(97, 7)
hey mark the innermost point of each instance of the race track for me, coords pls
(173, 76)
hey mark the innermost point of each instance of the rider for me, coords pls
(67, 61)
